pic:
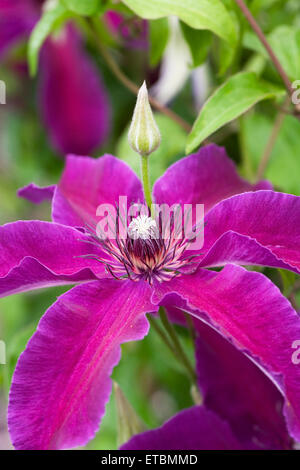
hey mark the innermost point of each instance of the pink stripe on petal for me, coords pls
(246, 308)
(62, 380)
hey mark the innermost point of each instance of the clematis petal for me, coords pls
(235, 248)
(30, 274)
(205, 177)
(271, 219)
(74, 104)
(62, 381)
(37, 194)
(87, 182)
(17, 18)
(36, 254)
(238, 391)
(195, 428)
(247, 309)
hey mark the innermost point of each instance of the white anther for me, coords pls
(142, 227)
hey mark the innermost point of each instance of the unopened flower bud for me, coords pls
(144, 136)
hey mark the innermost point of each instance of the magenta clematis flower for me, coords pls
(195, 428)
(17, 18)
(62, 380)
(77, 116)
(133, 33)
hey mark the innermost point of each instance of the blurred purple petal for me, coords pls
(73, 101)
(62, 381)
(132, 33)
(269, 218)
(192, 429)
(17, 18)
(37, 194)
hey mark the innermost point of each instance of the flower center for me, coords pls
(146, 253)
(142, 227)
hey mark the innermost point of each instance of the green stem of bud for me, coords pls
(177, 345)
(170, 339)
(146, 180)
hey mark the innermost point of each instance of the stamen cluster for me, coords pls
(150, 251)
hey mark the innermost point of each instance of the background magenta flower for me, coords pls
(249, 401)
(133, 33)
(192, 429)
(72, 98)
(17, 18)
(61, 382)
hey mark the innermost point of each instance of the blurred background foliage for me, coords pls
(150, 378)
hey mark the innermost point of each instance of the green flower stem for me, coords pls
(179, 354)
(176, 343)
(146, 180)
(258, 31)
(247, 168)
(162, 335)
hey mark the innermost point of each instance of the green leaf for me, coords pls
(231, 100)
(170, 148)
(288, 280)
(285, 42)
(159, 33)
(256, 132)
(198, 41)
(83, 7)
(15, 348)
(50, 20)
(255, 64)
(199, 14)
